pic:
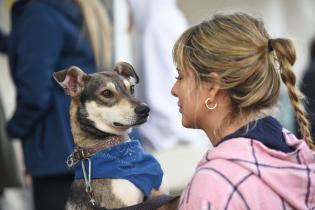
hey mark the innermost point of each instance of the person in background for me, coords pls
(308, 88)
(155, 26)
(229, 76)
(47, 36)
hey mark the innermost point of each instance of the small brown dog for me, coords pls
(114, 171)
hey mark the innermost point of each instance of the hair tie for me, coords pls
(270, 48)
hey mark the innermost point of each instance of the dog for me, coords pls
(108, 165)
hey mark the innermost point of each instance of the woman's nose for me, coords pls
(173, 90)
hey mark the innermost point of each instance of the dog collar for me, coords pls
(81, 153)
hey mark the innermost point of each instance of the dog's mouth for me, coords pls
(118, 124)
(138, 122)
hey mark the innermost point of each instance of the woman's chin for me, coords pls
(186, 124)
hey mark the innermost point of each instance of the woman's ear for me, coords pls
(213, 88)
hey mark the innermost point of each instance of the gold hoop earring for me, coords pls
(209, 107)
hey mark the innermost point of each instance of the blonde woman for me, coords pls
(229, 76)
(47, 36)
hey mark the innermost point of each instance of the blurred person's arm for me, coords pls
(39, 45)
(4, 39)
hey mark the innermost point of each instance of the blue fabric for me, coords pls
(267, 130)
(126, 161)
(46, 37)
(135, 134)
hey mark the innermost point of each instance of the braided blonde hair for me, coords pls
(237, 48)
(286, 57)
(99, 30)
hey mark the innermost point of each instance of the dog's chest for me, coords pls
(109, 193)
(126, 191)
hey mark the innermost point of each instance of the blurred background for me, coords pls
(143, 34)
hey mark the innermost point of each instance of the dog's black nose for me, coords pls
(142, 110)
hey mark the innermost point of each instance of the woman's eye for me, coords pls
(107, 93)
(179, 77)
(132, 89)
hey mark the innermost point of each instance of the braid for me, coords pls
(285, 53)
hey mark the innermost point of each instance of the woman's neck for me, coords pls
(215, 135)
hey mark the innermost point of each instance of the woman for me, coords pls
(47, 36)
(229, 76)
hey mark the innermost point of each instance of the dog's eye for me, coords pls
(132, 89)
(107, 93)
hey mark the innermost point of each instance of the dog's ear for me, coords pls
(127, 71)
(71, 79)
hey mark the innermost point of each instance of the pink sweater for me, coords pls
(242, 173)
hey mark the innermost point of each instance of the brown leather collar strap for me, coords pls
(81, 153)
(87, 152)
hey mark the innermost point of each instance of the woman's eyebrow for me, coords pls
(177, 69)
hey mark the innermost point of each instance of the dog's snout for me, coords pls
(142, 110)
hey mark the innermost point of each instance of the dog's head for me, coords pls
(106, 99)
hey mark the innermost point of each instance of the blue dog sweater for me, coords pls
(125, 161)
